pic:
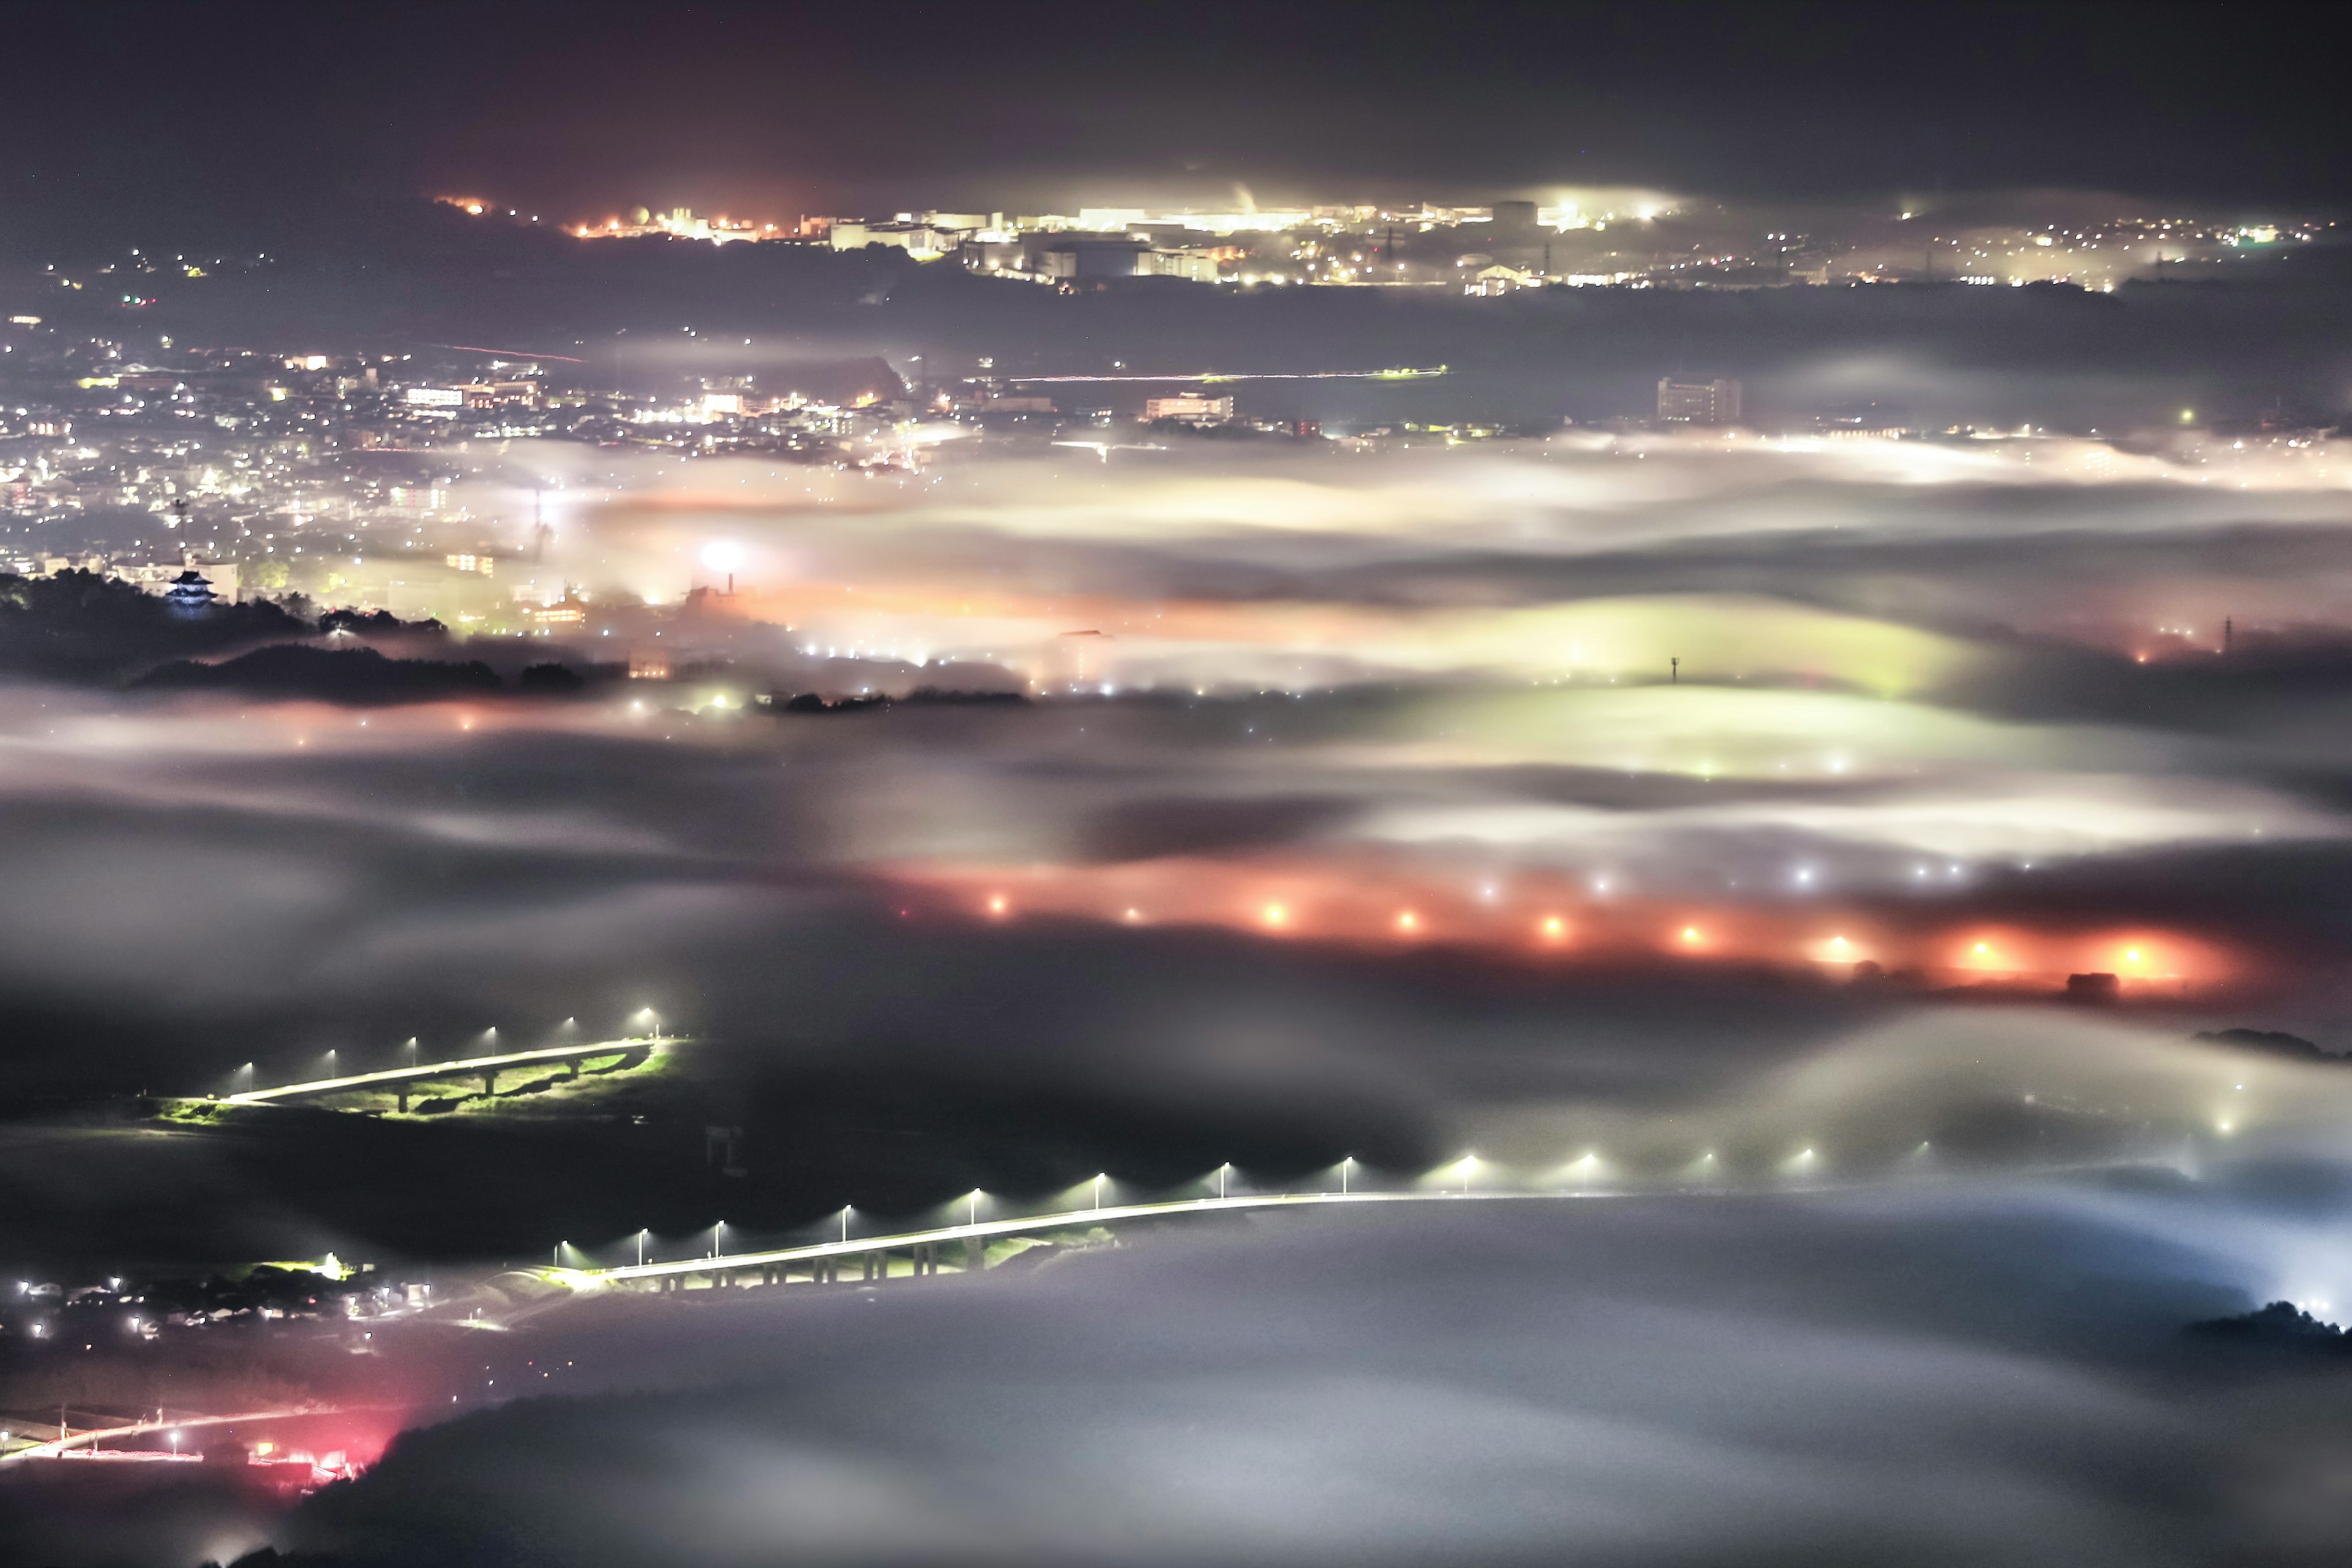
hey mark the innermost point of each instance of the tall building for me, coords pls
(1682, 402)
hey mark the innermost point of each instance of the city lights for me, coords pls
(1073, 590)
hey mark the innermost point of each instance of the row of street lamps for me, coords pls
(972, 1206)
(242, 1080)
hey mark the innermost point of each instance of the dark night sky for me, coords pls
(235, 113)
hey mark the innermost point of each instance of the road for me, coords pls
(94, 1434)
(461, 1067)
(988, 1229)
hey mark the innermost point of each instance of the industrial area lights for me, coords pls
(972, 1206)
(1099, 1182)
(717, 1235)
(641, 1248)
(1346, 1163)
(1222, 1172)
(844, 1225)
(1469, 1166)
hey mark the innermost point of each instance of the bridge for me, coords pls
(85, 1443)
(820, 1261)
(487, 1068)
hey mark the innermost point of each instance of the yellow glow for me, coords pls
(1554, 927)
(996, 905)
(1274, 915)
(1408, 921)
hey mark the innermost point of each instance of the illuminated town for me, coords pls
(1592, 239)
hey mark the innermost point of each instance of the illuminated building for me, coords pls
(1500, 279)
(191, 592)
(564, 612)
(498, 393)
(1682, 402)
(1190, 407)
(924, 241)
(1191, 264)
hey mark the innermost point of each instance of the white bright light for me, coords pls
(723, 555)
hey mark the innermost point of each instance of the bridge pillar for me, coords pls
(404, 1102)
(768, 1275)
(975, 1254)
(489, 1083)
(571, 1066)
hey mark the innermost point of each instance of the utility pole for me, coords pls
(1673, 672)
(2229, 630)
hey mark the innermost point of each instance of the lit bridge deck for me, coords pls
(770, 1264)
(485, 1068)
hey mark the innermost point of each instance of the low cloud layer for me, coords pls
(1380, 826)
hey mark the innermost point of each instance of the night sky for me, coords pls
(237, 119)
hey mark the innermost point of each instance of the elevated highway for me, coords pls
(820, 1260)
(487, 1068)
